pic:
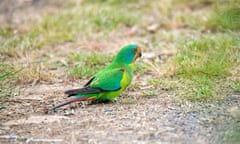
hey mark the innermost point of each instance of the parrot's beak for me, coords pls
(138, 54)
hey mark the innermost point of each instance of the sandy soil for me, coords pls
(156, 119)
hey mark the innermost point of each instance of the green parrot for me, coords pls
(108, 83)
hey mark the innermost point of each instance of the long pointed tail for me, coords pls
(67, 102)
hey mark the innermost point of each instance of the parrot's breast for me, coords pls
(126, 80)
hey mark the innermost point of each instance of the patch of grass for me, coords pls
(6, 71)
(204, 88)
(27, 73)
(84, 20)
(155, 81)
(236, 86)
(5, 32)
(87, 65)
(83, 71)
(108, 19)
(89, 17)
(7, 77)
(205, 61)
(81, 19)
(6, 91)
(149, 93)
(211, 56)
(17, 45)
(34, 73)
(135, 85)
(142, 68)
(92, 59)
(225, 16)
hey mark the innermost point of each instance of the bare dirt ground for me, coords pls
(146, 120)
(132, 118)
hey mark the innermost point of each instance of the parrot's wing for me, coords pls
(108, 80)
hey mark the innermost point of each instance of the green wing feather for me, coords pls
(108, 80)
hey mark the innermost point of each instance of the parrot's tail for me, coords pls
(68, 102)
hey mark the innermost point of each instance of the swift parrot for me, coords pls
(108, 83)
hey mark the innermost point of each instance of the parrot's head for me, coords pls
(128, 54)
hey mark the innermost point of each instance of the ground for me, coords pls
(183, 90)
(154, 120)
